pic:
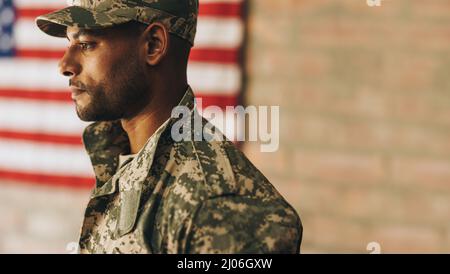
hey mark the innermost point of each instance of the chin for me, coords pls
(84, 115)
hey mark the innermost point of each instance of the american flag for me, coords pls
(40, 134)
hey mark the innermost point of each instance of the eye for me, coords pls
(86, 45)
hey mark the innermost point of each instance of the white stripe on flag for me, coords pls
(44, 159)
(41, 3)
(211, 32)
(223, 33)
(33, 74)
(37, 74)
(28, 36)
(214, 79)
(40, 116)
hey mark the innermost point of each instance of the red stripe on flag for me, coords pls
(226, 56)
(39, 95)
(214, 55)
(45, 179)
(208, 99)
(32, 12)
(41, 137)
(221, 101)
(208, 9)
(221, 9)
(39, 53)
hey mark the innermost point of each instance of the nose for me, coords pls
(68, 66)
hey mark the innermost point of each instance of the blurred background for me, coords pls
(364, 95)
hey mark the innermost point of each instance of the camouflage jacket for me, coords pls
(181, 197)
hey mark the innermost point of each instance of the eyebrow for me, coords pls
(86, 32)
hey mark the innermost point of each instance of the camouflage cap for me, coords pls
(179, 16)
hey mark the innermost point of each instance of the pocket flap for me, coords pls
(129, 206)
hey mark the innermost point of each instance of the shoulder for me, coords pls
(216, 172)
(213, 167)
(216, 168)
(216, 194)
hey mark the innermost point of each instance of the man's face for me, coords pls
(106, 75)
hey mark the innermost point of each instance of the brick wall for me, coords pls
(364, 96)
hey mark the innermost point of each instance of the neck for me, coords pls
(143, 125)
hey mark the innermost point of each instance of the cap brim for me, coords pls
(56, 23)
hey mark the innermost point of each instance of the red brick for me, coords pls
(274, 163)
(339, 166)
(402, 238)
(328, 232)
(427, 173)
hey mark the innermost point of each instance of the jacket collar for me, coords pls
(105, 141)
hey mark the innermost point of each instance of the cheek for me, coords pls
(94, 69)
(108, 67)
(96, 66)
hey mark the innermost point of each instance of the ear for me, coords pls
(157, 43)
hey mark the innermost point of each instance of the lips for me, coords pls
(76, 92)
(77, 88)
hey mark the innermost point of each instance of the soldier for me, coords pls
(126, 62)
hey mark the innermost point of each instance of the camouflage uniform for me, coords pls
(179, 196)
